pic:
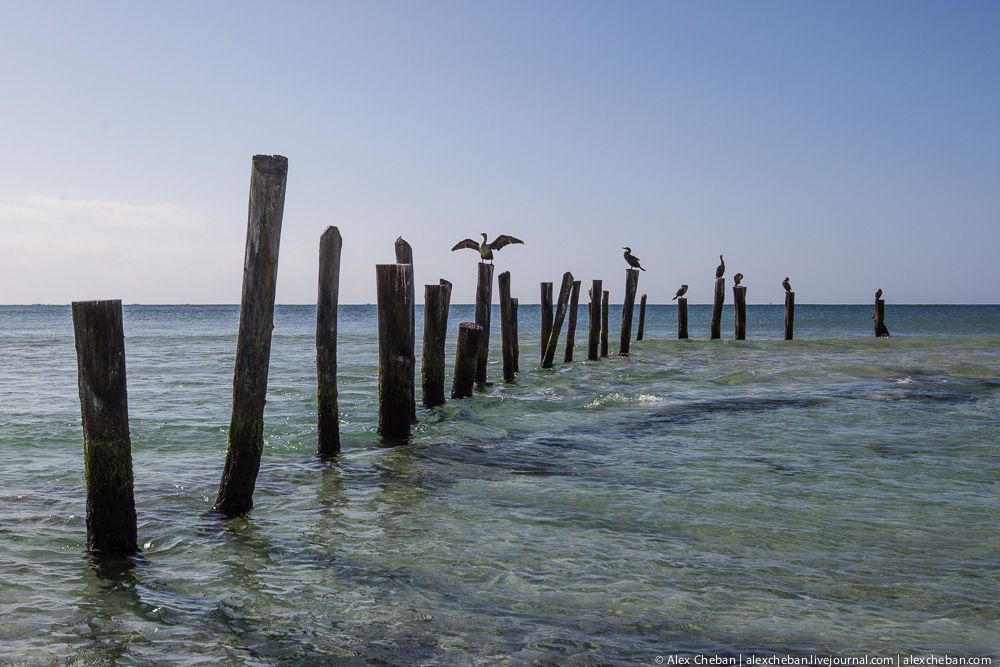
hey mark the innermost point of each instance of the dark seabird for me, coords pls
(720, 270)
(632, 260)
(787, 285)
(681, 292)
(878, 294)
(736, 279)
(486, 249)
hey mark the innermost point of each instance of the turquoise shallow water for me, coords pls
(837, 494)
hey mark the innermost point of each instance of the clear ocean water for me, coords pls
(838, 494)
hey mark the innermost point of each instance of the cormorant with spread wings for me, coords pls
(486, 249)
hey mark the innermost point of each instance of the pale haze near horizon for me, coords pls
(847, 145)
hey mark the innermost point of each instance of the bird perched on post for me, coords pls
(787, 285)
(681, 292)
(878, 294)
(632, 260)
(486, 249)
(720, 270)
(736, 279)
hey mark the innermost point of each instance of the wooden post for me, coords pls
(466, 358)
(574, 306)
(604, 322)
(396, 360)
(631, 285)
(546, 305)
(881, 330)
(328, 428)
(437, 301)
(404, 255)
(642, 317)
(107, 448)
(484, 306)
(682, 318)
(594, 329)
(789, 314)
(514, 335)
(253, 344)
(506, 327)
(720, 297)
(740, 311)
(564, 293)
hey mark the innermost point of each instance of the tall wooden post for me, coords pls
(466, 358)
(594, 328)
(789, 314)
(546, 306)
(740, 311)
(404, 255)
(484, 307)
(880, 329)
(328, 431)
(437, 301)
(506, 327)
(631, 285)
(107, 448)
(604, 322)
(682, 318)
(253, 344)
(564, 294)
(642, 318)
(574, 306)
(396, 362)
(720, 298)
(514, 334)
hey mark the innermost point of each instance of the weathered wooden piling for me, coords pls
(507, 336)
(881, 330)
(328, 414)
(514, 334)
(437, 301)
(574, 306)
(720, 298)
(682, 318)
(631, 285)
(564, 294)
(546, 306)
(253, 344)
(740, 311)
(107, 448)
(484, 306)
(396, 362)
(594, 325)
(789, 314)
(404, 255)
(466, 358)
(642, 318)
(605, 297)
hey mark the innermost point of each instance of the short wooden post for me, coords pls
(466, 358)
(564, 293)
(396, 362)
(574, 306)
(546, 306)
(720, 298)
(253, 344)
(328, 427)
(404, 255)
(594, 328)
(437, 301)
(740, 311)
(631, 285)
(506, 327)
(484, 307)
(881, 330)
(604, 322)
(107, 448)
(789, 314)
(642, 318)
(682, 318)
(514, 334)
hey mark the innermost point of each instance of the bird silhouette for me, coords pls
(787, 285)
(681, 292)
(486, 249)
(632, 260)
(720, 270)
(736, 279)
(878, 294)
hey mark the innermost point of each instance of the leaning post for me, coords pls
(720, 298)
(564, 294)
(631, 285)
(594, 327)
(437, 300)
(642, 318)
(574, 306)
(514, 335)
(328, 416)
(396, 360)
(546, 306)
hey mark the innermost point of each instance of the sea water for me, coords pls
(838, 495)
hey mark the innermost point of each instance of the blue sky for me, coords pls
(847, 145)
